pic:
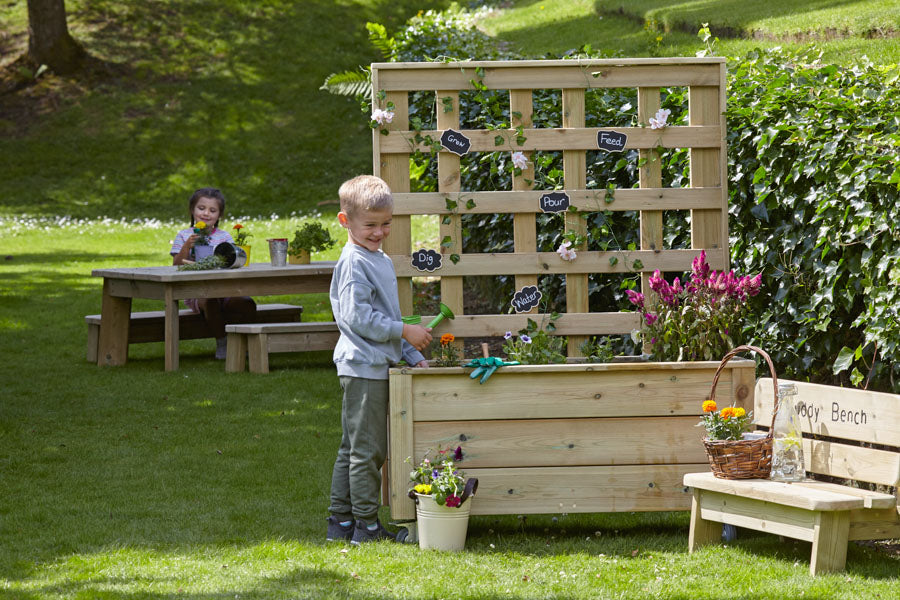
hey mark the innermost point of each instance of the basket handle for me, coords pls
(761, 352)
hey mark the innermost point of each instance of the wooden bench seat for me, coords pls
(149, 326)
(827, 514)
(257, 341)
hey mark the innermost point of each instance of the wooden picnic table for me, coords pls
(170, 285)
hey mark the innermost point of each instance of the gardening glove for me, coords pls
(486, 367)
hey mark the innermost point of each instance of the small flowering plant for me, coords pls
(240, 236)
(700, 319)
(438, 477)
(446, 354)
(534, 345)
(204, 231)
(726, 424)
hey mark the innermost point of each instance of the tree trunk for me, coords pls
(49, 42)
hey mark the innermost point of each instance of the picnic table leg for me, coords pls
(171, 331)
(829, 547)
(702, 532)
(115, 314)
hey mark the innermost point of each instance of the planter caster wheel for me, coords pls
(729, 533)
(408, 534)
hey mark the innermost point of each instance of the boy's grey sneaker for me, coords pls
(362, 533)
(337, 532)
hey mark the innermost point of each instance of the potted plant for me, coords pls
(202, 248)
(240, 240)
(441, 492)
(311, 237)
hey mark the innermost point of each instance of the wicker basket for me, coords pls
(742, 459)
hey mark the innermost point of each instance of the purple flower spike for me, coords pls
(457, 454)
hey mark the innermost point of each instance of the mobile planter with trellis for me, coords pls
(572, 437)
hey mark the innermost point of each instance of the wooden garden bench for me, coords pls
(842, 425)
(150, 326)
(257, 341)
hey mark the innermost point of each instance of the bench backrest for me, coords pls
(849, 419)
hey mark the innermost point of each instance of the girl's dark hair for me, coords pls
(208, 192)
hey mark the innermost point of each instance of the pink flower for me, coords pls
(519, 161)
(453, 501)
(382, 116)
(635, 298)
(565, 251)
(650, 318)
(659, 120)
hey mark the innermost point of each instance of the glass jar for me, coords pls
(787, 439)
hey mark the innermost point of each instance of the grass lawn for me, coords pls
(843, 30)
(131, 483)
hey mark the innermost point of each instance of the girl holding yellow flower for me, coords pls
(206, 206)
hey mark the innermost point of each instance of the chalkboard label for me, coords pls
(455, 142)
(426, 260)
(555, 202)
(526, 298)
(611, 141)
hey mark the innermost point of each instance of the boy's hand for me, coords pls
(419, 337)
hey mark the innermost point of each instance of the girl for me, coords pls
(208, 205)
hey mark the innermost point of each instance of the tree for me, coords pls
(49, 42)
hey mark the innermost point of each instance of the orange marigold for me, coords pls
(709, 406)
(447, 338)
(728, 412)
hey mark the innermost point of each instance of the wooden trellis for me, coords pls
(706, 198)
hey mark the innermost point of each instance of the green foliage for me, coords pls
(207, 263)
(598, 350)
(312, 236)
(814, 206)
(535, 345)
(349, 83)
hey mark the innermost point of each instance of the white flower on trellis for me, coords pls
(382, 116)
(565, 251)
(659, 121)
(519, 160)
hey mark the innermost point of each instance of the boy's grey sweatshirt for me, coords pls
(367, 311)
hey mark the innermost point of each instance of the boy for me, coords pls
(367, 311)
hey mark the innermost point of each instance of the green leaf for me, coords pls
(454, 258)
(759, 174)
(348, 83)
(844, 360)
(446, 242)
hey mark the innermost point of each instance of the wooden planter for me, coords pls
(562, 438)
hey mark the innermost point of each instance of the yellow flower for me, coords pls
(739, 412)
(200, 225)
(727, 412)
(423, 488)
(709, 406)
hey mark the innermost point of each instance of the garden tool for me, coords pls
(445, 313)
(486, 366)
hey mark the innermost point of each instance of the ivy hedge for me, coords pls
(814, 191)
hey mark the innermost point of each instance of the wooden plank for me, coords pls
(758, 515)
(702, 532)
(593, 394)
(465, 326)
(113, 338)
(742, 388)
(805, 497)
(448, 182)
(575, 177)
(829, 544)
(258, 353)
(875, 524)
(573, 442)
(709, 228)
(871, 499)
(543, 490)
(302, 341)
(400, 443)
(524, 224)
(304, 327)
(551, 74)
(650, 176)
(511, 263)
(528, 201)
(845, 413)
(236, 353)
(171, 330)
(394, 169)
(699, 137)
(852, 462)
